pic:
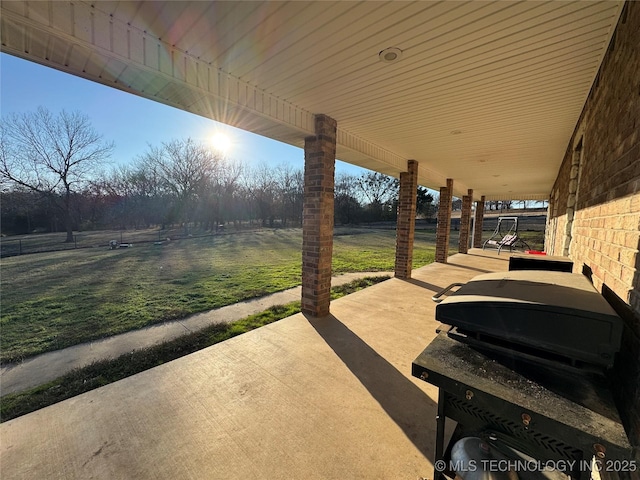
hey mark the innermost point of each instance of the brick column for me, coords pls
(406, 222)
(443, 231)
(317, 217)
(465, 222)
(477, 223)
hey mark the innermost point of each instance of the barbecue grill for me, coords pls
(547, 315)
(521, 362)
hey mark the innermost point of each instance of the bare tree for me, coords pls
(379, 191)
(51, 155)
(377, 188)
(261, 187)
(221, 193)
(290, 190)
(347, 207)
(136, 193)
(186, 169)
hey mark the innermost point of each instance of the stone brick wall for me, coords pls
(603, 160)
(556, 222)
(606, 239)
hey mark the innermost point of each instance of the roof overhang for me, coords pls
(486, 93)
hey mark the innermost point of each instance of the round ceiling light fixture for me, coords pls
(390, 55)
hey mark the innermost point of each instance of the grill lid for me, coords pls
(550, 312)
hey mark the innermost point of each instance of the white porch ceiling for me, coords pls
(486, 93)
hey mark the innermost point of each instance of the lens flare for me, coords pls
(221, 142)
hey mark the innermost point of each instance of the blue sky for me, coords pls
(131, 122)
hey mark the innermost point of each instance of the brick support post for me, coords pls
(465, 222)
(443, 231)
(317, 221)
(477, 223)
(406, 222)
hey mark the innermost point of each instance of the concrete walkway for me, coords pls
(51, 365)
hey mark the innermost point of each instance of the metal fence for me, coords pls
(51, 242)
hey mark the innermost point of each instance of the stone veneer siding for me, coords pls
(595, 202)
(317, 217)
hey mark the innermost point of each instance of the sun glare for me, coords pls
(221, 142)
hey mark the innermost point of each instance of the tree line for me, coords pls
(53, 178)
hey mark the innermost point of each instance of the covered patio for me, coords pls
(481, 100)
(324, 398)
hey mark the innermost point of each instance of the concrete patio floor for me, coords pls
(303, 398)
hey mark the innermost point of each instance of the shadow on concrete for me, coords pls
(420, 283)
(497, 257)
(408, 406)
(481, 270)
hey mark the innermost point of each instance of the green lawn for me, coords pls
(110, 370)
(54, 300)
